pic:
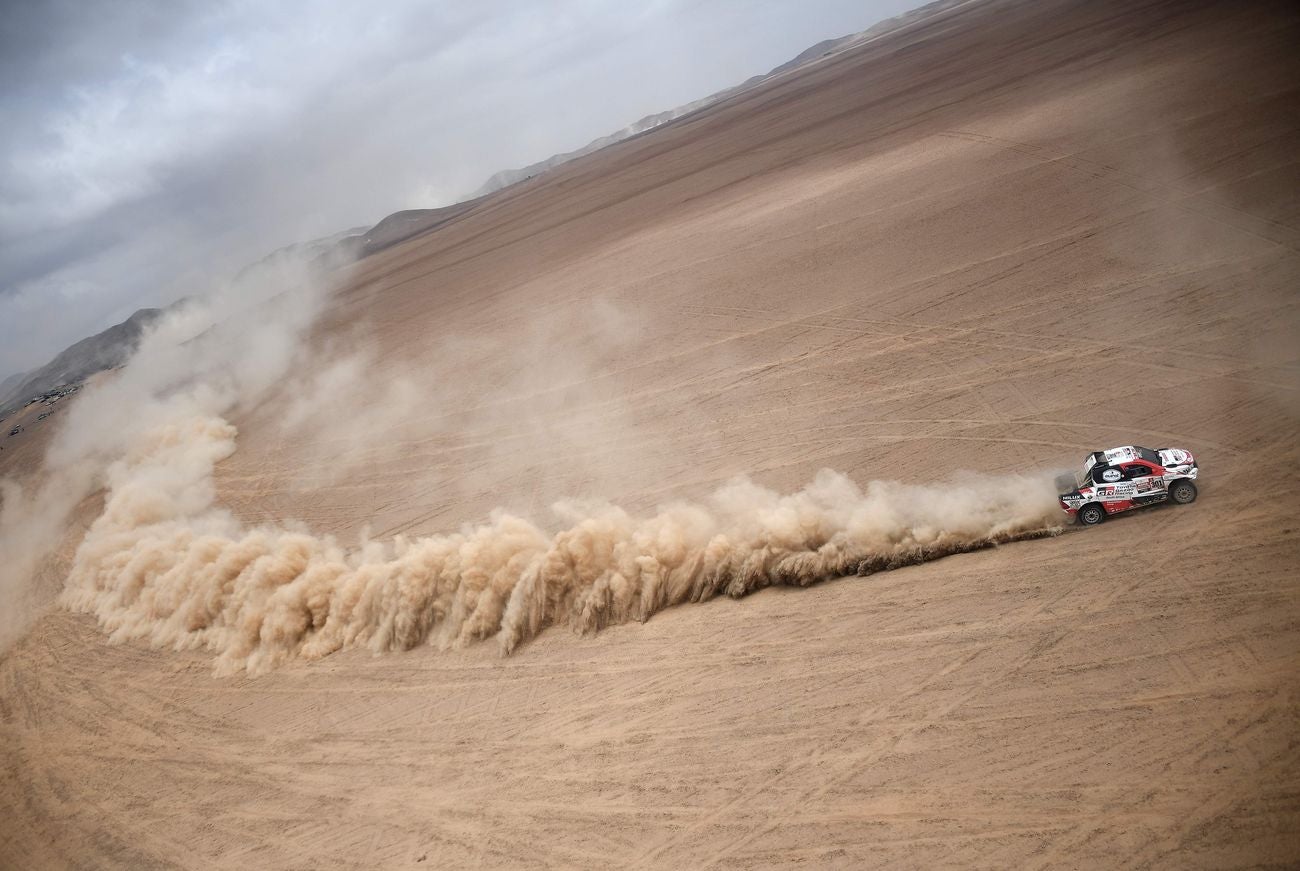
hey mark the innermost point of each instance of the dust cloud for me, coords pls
(212, 355)
(166, 565)
(539, 400)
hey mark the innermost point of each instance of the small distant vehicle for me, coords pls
(1128, 477)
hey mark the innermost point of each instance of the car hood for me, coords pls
(1171, 457)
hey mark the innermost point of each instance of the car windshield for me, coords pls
(1149, 455)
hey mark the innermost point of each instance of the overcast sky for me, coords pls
(150, 148)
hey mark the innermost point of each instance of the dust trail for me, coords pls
(164, 564)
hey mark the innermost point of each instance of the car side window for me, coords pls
(1136, 471)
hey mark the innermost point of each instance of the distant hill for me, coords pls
(101, 351)
(826, 47)
(400, 226)
(11, 382)
(507, 177)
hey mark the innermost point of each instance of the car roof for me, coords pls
(1112, 456)
(1121, 454)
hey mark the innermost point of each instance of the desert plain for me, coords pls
(990, 242)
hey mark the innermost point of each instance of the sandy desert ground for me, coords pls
(1012, 234)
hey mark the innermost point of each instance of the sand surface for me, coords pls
(995, 241)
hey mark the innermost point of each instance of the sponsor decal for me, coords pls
(1111, 475)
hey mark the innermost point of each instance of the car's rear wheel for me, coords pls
(1183, 492)
(1091, 515)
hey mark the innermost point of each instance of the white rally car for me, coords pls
(1129, 477)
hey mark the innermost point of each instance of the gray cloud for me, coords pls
(151, 149)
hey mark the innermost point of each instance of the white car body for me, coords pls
(1127, 477)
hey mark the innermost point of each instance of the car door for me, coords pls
(1148, 486)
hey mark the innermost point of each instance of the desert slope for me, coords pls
(1012, 233)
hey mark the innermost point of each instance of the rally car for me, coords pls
(1129, 477)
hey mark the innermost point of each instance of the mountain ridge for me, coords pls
(506, 177)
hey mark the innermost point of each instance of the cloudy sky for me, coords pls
(149, 149)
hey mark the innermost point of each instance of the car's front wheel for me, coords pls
(1091, 515)
(1183, 492)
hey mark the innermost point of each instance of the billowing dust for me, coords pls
(165, 565)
